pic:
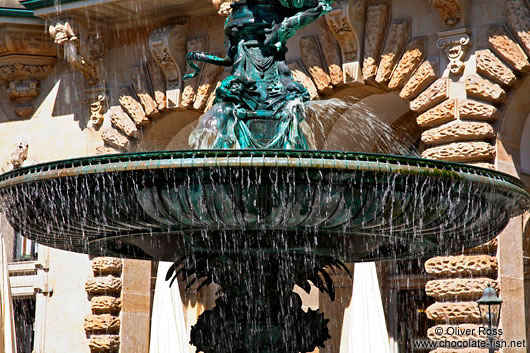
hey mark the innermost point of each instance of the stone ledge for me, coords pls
(421, 79)
(121, 121)
(442, 113)
(458, 131)
(104, 343)
(104, 323)
(410, 61)
(132, 107)
(434, 94)
(451, 266)
(491, 67)
(484, 89)
(107, 265)
(518, 19)
(458, 288)
(105, 304)
(507, 49)
(473, 110)
(101, 285)
(115, 138)
(310, 54)
(474, 151)
(396, 38)
(457, 312)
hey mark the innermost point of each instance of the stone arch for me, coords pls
(454, 128)
(329, 66)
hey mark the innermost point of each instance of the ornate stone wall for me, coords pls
(104, 291)
(456, 107)
(457, 94)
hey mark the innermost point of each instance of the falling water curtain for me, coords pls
(168, 328)
(7, 324)
(364, 320)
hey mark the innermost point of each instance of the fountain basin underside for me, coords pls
(348, 206)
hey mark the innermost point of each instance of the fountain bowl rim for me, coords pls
(218, 158)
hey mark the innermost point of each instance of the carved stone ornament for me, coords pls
(22, 74)
(450, 10)
(96, 100)
(17, 158)
(223, 7)
(455, 44)
(62, 32)
(346, 20)
(83, 56)
(168, 47)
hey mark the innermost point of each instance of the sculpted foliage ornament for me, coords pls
(455, 44)
(450, 10)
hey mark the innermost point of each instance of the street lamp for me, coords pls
(490, 310)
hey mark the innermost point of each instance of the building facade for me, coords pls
(446, 78)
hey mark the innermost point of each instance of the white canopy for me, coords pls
(7, 324)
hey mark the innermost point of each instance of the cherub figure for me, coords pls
(62, 32)
(17, 158)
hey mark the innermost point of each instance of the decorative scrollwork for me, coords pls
(455, 44)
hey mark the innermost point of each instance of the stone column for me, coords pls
(136, 310)
(457, 113)
(104, 291)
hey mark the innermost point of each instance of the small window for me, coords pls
(25, 249)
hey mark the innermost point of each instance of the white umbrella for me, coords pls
(168, 329)
(7, 323)
(364, 320)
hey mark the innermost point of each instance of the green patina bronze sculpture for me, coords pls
(259, 105)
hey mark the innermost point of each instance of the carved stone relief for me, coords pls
(16, 158)
(450, 10)
(83, 56)
(189, 90)
(22, 75)
(377, 17)
(455, 44)
(96, 100)
(168, 47)
(25, 41)
(346, 21)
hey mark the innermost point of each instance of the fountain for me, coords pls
(253, 208)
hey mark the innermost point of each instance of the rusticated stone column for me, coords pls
(104, 291)
(459, 128)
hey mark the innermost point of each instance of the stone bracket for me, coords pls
(96, 98)
(455, 44)
(346, 21)
(82, 55)
(22, 74)
(168, 47)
